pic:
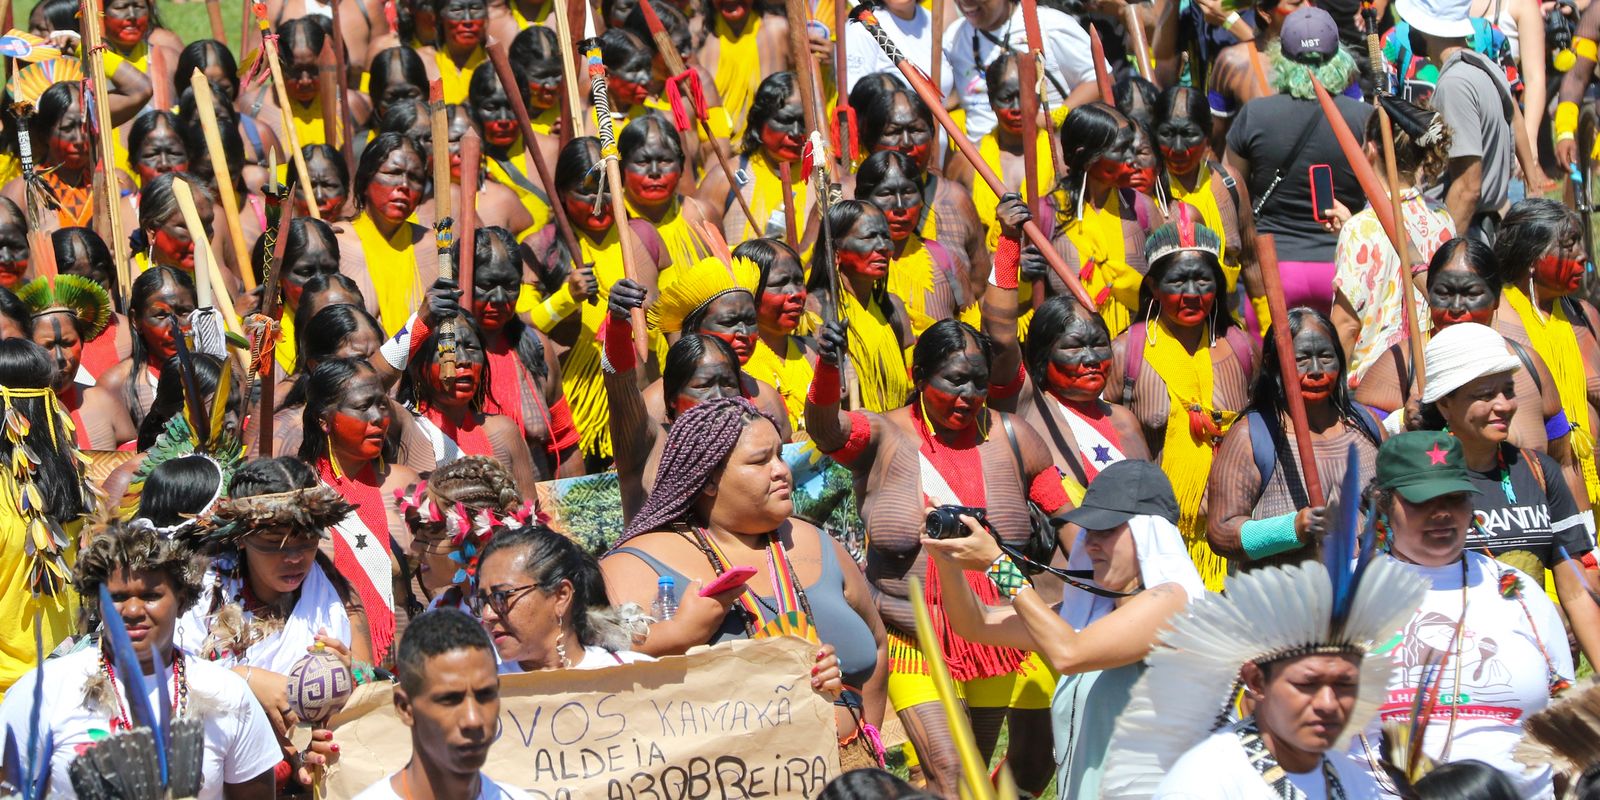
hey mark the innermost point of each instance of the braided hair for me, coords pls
(698, 445)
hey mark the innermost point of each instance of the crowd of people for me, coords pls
(1221, 376)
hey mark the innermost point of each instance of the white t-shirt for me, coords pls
(319, 607)
(1503, 673)
(1217, 769)
(240, 744)
(594, 657)
(913, 36)
(487, 790)
(1066, 58)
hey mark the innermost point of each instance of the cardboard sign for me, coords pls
(738, 720)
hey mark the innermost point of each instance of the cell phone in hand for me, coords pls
(732, 579)
(1322, 199)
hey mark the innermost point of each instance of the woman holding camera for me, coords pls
(945, 448)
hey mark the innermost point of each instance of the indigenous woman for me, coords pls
(1504, 636)
(330, 183)
(163, 234)
(1258, 513)
(878, 329)
(1098, 642)
(14, 265)
(892, 117)
(397, 76)
(500, 204)
(744, 47)
(165, 430)
(359, 23)
(1057, 378)
(945, 448)
(414, 27)
(1366, 305)
(538, 53)
(68, 311)
(312, 250)
(130, 28)
(379, 249)
(1525, 514)
(161, 297)
(921, 271)
(1001, 147)
(346, 436)
(38, 600)
(81, 251)
(1540, 250)
(458, 50)
(150, 582)
(781, 358)
(451, 518)
(503, 148)
(668, 224)
(1185, 373)
(627, 60)
(522, 370)
(543, 600)
(1181, 126)
(451, 412)
(579, 185)
(722, 501)
(1463, 285)
(300, 41)
(155, 147)
(710, 309)
(215, 61)
(61, 140)
(1104, 223)
(774, 135)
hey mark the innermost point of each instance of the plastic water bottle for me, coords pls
(666, 604)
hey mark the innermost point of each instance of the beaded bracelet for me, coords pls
(1007, 577)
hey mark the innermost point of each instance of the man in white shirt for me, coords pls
(989, 27)
(449, 695)
(910, 26)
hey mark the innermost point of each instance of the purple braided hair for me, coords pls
(700, 442)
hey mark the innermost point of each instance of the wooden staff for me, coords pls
(1141, 49)
(443, 235)
(974, 768)
(1288, 369)
(936, 22)
(347, 122)
(1028, 83)
(327, 94)
(675, 65)
(471, 163)
(93, 48)
(532, 155)
(805, 67)
(601, 95)
(572, 68)
(206, 109)
(214, 13)
(1102, 77)
(930, 96)
(265, 342)
(1401, 238)
(269, 50)
(161, 91)
(1365, 175)
(790, 227)
(207, 274)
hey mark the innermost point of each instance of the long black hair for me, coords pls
(203, 53)
(764, 252)
(169, 399)
(1531, 229)
(1267, 396)
(524, 338)
(321, 337)
(1475, 256)
(25, 365)
(770, 96)
(875, 170)
(144, 289)
(1086, 135)
(1050, 321)
(178, 489)
(395, 65)
(146, 124)
(53, 105)
(683, 358)
(873, 100)
(416, 391)
(941, 340)
(98, 255)
(301, 232)
(324, 386)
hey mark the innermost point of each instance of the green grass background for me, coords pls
(188, 20)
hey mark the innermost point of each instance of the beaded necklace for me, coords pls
(180, 690)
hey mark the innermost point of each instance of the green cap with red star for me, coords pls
(1422, 465)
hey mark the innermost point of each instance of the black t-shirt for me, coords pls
(1541, 518)
(1264, 133)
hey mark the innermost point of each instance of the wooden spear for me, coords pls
(1141, 49)
(1401, 239)
(1028, 84)
(160, 90)
(571, 69)
(269, 50)
(930, 96)
(266, 346)
(1365, 175)
(218, 32)
(791, 227)
(207, 110)
(936, 22)
(844, 116)
(1288, 369)
(95, 53)
(210, 291)
(601, 96)
(443, 235)
(1102, 77)
(471, 163)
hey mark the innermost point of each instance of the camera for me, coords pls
(944, 522)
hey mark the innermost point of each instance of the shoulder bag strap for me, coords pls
(1294, 153)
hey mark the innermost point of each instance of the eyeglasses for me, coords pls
(502, 600)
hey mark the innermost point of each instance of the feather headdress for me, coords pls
(312, 510)
(690, 288)
(71, 294)
(1337, 606)
(1566, 736)
(1421, 125)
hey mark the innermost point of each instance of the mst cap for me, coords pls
(1309, 36)
(1423, 465)
(1123, 491)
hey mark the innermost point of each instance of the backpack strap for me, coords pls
(1267, 442)
(1133, 361)
(649, 238)
(1527, 363)
(1239, 342)
(1067, 451)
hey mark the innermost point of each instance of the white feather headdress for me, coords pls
(1266, 615)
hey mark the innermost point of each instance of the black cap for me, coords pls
(1122, 491)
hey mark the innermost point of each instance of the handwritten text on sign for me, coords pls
(736, 721)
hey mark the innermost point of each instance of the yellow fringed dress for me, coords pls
(1554, 338)
(984, 197)
(580, 367)
(911, 279)
(454, 79)
(392, 265)
(1102, 253)
(790, 374)
(738, 68)
(510, 172)
(875, 353)
(765, 192)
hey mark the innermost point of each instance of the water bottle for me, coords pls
(666, 604)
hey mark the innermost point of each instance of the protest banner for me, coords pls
(738, 720)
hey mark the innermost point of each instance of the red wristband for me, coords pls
(1007, 258)
(1010, 389)
(419, 334)
(856, 440)
(617, 335)
(825, 384)
(1047, 492)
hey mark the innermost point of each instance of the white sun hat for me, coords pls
(1446, 19)
(1461, 354)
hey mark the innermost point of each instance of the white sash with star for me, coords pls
(1095, 451)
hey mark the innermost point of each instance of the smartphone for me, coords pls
(732, 579)
(1321, 191)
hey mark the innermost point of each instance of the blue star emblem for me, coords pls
(1102, 454)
